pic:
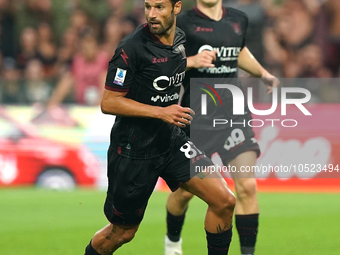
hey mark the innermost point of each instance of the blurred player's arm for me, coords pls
(102, 78)
(248, 63)
(62, 89)
(202, 59)
(116, 103)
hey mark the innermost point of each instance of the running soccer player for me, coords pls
(215, 48)
(142, 90)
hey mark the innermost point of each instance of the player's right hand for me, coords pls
(202, 59)
(270, 81)
(177, 115)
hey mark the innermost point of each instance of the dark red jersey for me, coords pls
(227, 37)
(151, 73)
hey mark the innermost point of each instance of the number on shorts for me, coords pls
(190, 150)
(236, 137)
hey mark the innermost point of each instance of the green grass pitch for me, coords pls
(40, 222)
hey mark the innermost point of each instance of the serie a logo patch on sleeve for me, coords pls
(119, 77)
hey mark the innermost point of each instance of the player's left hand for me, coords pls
(270, 81)
(177, 115)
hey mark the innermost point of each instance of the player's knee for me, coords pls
(247, 188)
(230, 201)
(181, 197)
(126, 237)
(111, 243)
(185, 196)
(226, 202)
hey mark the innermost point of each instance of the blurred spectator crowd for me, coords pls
(57, 51)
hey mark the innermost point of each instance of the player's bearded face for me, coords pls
(160, 20)
(158, 27)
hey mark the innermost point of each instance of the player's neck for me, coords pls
(213, 12)
(168, 38)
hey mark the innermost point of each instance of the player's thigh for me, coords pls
(181, 195)
(236, 141)
(180, 171)
(131, 183)
(182, 163)
(244, 177)
(212, 189)
(243, 164)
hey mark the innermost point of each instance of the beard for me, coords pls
(162, 28)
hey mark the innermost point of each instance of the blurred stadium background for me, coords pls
(53, 60)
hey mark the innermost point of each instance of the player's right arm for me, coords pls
(120, 78)
(248, 63)
(201, 60)
(115, 103)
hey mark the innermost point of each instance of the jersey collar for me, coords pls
(177, 40)
(205, 16)
(152, 36)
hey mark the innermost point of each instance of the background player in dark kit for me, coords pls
(215, 48)
(142, 90)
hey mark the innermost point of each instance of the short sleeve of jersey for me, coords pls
(180, 21)
(245, 24)
(121, 69)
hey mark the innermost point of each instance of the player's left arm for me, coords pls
(248, 63)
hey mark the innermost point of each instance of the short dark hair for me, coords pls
(174, 2)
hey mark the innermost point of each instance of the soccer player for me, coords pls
(215, 47)
(142, 90)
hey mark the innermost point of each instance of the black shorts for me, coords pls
(228, 143)
(132, 181)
